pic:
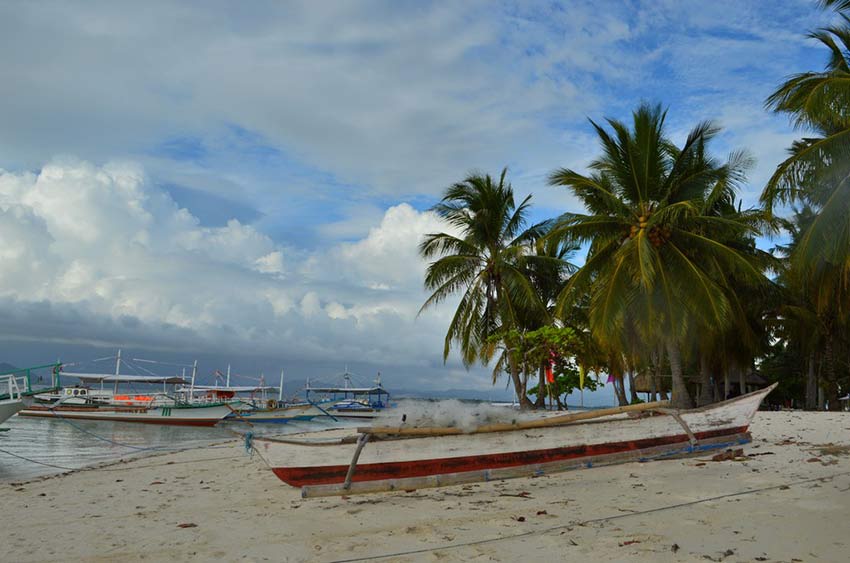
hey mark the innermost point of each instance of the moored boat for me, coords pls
(11, 397)
(387, 458)
(177, 414)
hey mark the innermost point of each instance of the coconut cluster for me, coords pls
(657, 235)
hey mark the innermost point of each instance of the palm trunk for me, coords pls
(742, 380)
(633, 394)
(704, 381)
(522, 398)
(620, 390)
(811, 385)
(653, 387)
(681, 397)
(830, 385)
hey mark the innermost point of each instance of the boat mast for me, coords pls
(117, 372)
(280, 391)
(227, 383)
(192, 386)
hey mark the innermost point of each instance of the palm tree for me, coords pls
(658, 256)
(817, 172)
(817, 175)
(548, 268)
(484, 262)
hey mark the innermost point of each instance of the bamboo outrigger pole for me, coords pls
(520, 425)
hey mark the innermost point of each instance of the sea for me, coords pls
(37, 447)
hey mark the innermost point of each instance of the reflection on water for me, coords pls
(80, 443)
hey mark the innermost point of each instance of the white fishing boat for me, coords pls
(348, 401)
(12, 387)
(404, 457)
(174, 403)
(16, 391)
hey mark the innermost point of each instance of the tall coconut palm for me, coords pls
(484, 263)
(817, 174)
(657, 257)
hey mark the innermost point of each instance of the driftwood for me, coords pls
(520, 425)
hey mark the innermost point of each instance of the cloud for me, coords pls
(98, 255)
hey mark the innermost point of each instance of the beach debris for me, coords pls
(524, 494)
(519, 518)
(157, 483)
(832, 449)
(541, 512)
(784, 488)
(628, 542)
(728, 455)
(813, 460)
(674, 548)
(187, 525)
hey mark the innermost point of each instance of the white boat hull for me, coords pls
(173, 416)
(324, 458)
(9, 407)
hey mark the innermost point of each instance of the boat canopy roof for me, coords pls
(112, 378)
(377, 389)
(234, 388)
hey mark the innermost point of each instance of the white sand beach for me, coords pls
(787, 500)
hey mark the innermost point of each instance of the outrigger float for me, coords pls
(336, 462)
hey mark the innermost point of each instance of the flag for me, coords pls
(550, 376)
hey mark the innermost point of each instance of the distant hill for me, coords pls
(4, 367)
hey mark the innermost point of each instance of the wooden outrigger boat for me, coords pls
(376, 459)
(11, 397)
(16, 390)
(177, 409)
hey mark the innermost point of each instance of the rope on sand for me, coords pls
(591, 521)
(7, 452)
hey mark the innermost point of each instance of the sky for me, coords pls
(248, 183)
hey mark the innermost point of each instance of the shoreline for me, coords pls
(778, 503)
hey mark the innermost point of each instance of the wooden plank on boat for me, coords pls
(682, 449)
(237, 415)
(520, 425)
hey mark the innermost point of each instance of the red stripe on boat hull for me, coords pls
(324, 475)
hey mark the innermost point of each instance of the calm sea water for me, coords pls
(79, 443)
(68, 444)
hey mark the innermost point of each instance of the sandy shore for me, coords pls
(788, 501)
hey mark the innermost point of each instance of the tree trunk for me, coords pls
(632, 393)
(522, 398)
(681, 397)
(742, 380)
(705, 391)
(620, 390)
(830, 384)
(540, 403)
(811, 385)
(653, 387)
(726, 393)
